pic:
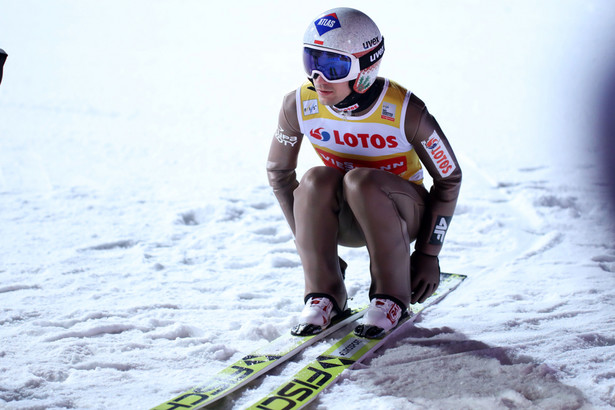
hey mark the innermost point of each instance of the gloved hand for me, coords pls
(424, 276)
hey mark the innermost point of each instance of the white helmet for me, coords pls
(343, 44)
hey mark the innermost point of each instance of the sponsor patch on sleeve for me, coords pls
(285, 139)
(439, 155)
(439, 231)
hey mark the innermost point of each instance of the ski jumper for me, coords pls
(374, 165)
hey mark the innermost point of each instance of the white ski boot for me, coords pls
(316, 316)
(382, 315)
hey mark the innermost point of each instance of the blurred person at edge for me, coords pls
(607, 135)
(3, 56)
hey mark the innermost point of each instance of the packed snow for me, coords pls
(142, 250)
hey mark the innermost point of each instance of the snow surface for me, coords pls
(141, 248)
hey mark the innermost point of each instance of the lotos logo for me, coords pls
(323, 136)
(327, 23)
(359, 140)
(439, 155)
(431, 144)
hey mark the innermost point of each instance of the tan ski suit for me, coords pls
(370, 191)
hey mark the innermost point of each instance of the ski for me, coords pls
(344, 354)
(252, 366)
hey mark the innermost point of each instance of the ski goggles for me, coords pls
(333, 66)
(337, 67)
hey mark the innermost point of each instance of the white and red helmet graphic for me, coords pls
(350, 32)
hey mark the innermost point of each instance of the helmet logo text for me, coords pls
(327, 23)
(376, 55)
(371, 43)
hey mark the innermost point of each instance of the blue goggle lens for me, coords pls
(333, 66)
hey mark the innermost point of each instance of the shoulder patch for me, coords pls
(310, 107)
(439, 155)
(388, 111)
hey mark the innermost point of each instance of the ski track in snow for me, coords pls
(536, 341)
(112, 334)
(516, 339)
(141, 251)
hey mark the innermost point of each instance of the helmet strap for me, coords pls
(358, 102)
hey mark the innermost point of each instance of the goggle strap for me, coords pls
(371, 58)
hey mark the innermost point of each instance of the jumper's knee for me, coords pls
(360, 181)
(378, 197)
(320, 181)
